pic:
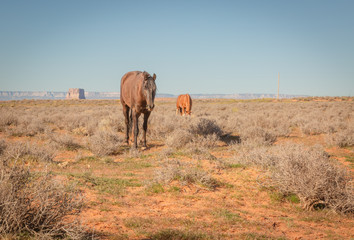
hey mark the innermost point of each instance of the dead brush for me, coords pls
(199, 135)
(185, 174)
(37, 205)
(28, 152)
(205, 127)
(65, 141)
(262, 135)
(307, 172)
(199, 146)
(310, 174)
(344, 138)
(2, 146)
(104, 143)
(7, 118)
(27, 127)
(162, 124)
(178, 139)
(253, 152)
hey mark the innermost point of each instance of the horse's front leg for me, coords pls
(179, 111)
(145, 125)
(136, 128)
(127, 123)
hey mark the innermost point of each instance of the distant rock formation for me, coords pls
(18, 95)
(75, 93)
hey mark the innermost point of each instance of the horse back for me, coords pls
(184, 101)
(188, 102)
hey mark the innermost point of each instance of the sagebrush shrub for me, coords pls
(7, 118)
(36, 204)
(161, 125)
(179, 138)
(24, 150)
(204, 127)
(344, 138)
(311, 175)
(2, 145)
(104, 143)
(28, 127)
(253, 152)
(307, 172)
(65, 141)
(261, 135)
(186, 174)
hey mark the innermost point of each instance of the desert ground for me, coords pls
(234, 169)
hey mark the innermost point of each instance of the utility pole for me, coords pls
(278, 85)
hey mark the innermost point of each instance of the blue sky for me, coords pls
(192, 46)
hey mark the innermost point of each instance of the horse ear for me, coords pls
(154, 77)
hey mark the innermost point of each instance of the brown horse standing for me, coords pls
(137, 95)
(184, 104)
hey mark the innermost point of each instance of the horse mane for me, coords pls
(146, 75)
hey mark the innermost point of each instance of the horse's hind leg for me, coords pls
(127, 122)
(145, 125)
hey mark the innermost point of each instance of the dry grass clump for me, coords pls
(185, 174)
(261, 135)
(195, 137)
(2, 145)
(278, 119)
(104, 143)
(162, 122)
(7, 118)
(306, 172)
(179, 138)
(36, 205)
(311, 175)
(27, 127)
(344, 138)
(205, 127)
(65, 141)
(253, 152)
(318, 118)
(26, 151)
(262, 121)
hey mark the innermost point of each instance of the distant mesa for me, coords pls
(71, 94)
(75, 93)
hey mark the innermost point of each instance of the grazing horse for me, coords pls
(184, 104)
(137, 95)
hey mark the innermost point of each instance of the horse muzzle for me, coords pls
(150, 108)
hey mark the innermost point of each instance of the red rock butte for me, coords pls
(75, 93)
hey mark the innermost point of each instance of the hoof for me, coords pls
(143, 148)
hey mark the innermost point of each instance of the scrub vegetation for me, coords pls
(235, 169)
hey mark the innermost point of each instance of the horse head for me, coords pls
(149, 90)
